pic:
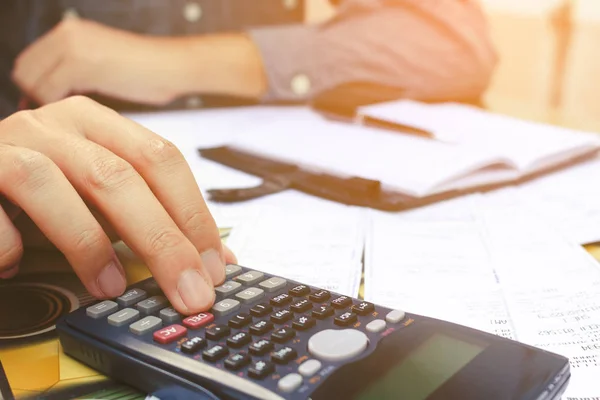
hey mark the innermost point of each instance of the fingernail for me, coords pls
(9, 273)
(211, 259)
(111, 281)
(194, 290)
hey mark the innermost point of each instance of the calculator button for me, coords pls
(273, 284)
(102, 309)
(169, 315)
(281, 316)
(125, 316)
(320, 296)
(283, 355)
(363, 308)
(225, 307)
(261, 369)
(337, 344)
(301, 306)
(281, 300)
(131, 296)
(250, 295)
(260, 310)
(289, 383)
(193, 345)
(169, 334)
(240, 339)
(282, 335)
(198, 320)
(345, 319)
(250, 278)
(228, 288)
(240, 320)
(261, 347)
(232, 270)
(322, 312)
(395, 316)
(375, 326)
(237, 361)
(217, 332)
(303, 323)
(152, 304)
(341, 302)
(299, 291)
(261, 327)
(215, 353)
(309, 368)
(145, 325)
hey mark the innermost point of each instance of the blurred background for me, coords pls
(549, 67)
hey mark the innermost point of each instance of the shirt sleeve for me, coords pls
(428, 49)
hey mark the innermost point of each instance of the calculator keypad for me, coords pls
(260, 326)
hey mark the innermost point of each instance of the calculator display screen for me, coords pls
(427, 368)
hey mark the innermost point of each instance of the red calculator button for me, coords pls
(197, 321)
(169, 334)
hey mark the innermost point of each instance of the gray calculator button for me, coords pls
(273, 284)
(232, 270)
(152, 304)
(309, 368)
(131, 297)
(225, 307)
(169, 315)
(250, 277)
(289, 383)
(375, 326)
(125, 316)
(337, 345)
(393, 317)
(146, 324)
(250, 295)
(102, 309)
(228, 288)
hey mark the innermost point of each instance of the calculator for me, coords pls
(268, 337)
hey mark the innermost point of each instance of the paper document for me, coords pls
(317, 243)
(497, 268)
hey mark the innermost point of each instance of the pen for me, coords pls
(5, 390)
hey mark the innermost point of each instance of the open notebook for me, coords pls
(469, 149)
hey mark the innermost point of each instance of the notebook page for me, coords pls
(527, 144)
(310, 241)
(412, 165)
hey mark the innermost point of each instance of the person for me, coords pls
(80, 173)
(203, 53)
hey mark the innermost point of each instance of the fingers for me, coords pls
(56, 84)
(11, 248)
(230, 258)
(37, 185)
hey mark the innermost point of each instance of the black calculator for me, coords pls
(267, 337)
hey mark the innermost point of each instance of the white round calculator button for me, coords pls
(337, 345)
(309, 368)
(375, 326)
(393, 317)
(290, 382)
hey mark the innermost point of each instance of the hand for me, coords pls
(80, 56)
(61, 161)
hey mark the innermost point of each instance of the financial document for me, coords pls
(493, 266)
(312, 241)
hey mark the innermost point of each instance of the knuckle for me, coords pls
(107, 173)
(196, 220)
(89, 240)
(79, 102)
(161, 151)
(163, 240)
(28, 167)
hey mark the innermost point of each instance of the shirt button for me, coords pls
(300, 84)
(193, 102)
(70, 13)
(192, 12)
(290, 4)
